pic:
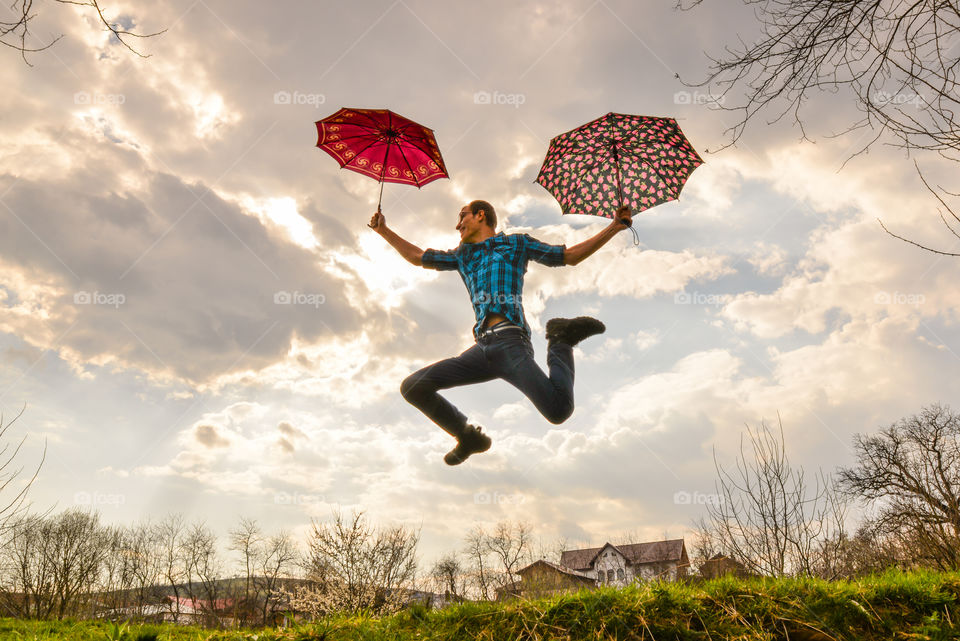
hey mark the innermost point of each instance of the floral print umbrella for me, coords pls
(383, 145)
(618, 159)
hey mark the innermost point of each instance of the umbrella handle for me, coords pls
(629, 223)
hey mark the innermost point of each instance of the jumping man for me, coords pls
(492, 266)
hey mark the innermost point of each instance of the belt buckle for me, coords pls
(487, 333)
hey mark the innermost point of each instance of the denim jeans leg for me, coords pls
(420, 388)
(512, 358)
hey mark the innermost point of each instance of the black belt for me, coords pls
(498, 327)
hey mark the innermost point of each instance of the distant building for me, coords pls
(624, 564)
(719, 565)
(543, 578)
(610, 564)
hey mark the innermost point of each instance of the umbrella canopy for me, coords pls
(615, 160)
(383, 145)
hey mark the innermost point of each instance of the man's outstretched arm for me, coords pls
(408, 250)
(577, 253)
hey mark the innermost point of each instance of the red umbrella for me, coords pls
(383, 145)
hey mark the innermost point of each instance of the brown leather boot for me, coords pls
(472, 441)
(573, 330)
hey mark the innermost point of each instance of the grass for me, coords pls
(919, 605)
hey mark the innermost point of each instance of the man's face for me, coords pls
(469, 225)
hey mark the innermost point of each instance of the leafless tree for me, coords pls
(898, 59)
(481, 569)
(15, 27)
(116, 574)
(77, 552)
(12, 498)
(245, 539)
(448, 577)
(142, 552)
(171, 535)
(52, 562)
(203, 570)
(354, 566)
(28, 570)
(552, 550)
(494, 557)
(767, 515)
(939, 195)
(703, 546)
(511, 546)
(868, 550)
(276, 561)
(912, 469)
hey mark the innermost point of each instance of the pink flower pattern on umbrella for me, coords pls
(618, 159)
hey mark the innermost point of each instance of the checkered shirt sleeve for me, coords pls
(439, 260)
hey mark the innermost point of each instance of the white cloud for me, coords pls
(828, 320)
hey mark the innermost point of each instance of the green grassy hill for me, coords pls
(894, 605)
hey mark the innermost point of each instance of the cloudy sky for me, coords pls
(152, 208)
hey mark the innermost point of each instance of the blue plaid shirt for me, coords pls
(493, 272)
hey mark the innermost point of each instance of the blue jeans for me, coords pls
(507, 354)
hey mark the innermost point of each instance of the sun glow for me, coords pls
(282, 212)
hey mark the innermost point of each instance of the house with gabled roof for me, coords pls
(543, 578)
(606, 565)
(622, 564)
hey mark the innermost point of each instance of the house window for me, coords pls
(609, 575)
(620, 574)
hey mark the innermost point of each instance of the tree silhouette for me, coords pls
(15, 29)
(899, 60)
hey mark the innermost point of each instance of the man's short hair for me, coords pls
(490, 215)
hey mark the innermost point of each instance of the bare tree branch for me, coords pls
(898, 59)
(912, 470)
(15, 30)
(767, 516)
